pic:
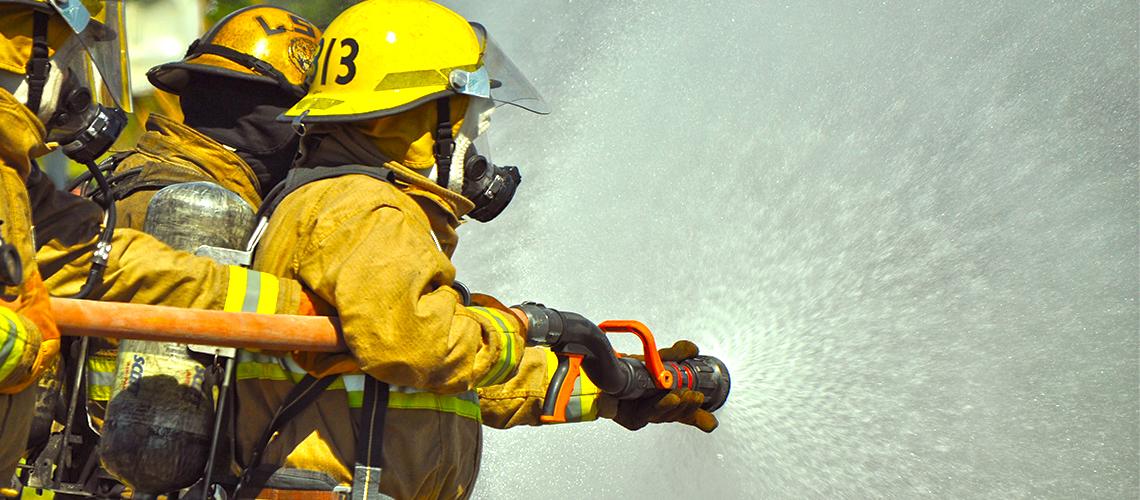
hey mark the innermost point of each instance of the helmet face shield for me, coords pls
(500, 80)
(103, 37)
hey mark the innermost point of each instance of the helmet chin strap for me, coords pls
(451, 151)
(39, 66)
(39, 88)
(444, 144)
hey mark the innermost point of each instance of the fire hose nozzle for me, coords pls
(579, 343)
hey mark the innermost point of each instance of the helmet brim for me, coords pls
(173, 77)
(359, 106)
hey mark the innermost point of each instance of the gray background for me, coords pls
(910, 228)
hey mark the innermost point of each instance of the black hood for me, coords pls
(242, 115)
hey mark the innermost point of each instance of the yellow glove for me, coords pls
(678, 405)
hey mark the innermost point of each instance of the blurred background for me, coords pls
(909, 227)
(159, 31)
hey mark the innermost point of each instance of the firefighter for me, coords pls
(401, 92)
(44, 58)
(232, 84)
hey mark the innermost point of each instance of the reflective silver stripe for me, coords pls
(353, 382)
(101, 379)
(252, 292)
(254, 365)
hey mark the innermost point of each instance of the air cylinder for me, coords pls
(156, 436)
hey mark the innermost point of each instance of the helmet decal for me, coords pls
(301, 54)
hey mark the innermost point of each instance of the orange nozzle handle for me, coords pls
(561, 388)
(271, 332)
(662, 378)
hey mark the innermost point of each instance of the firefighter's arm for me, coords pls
(143, 270)
(20, 342)
(29, 340)
(140, 268)
(377, 264)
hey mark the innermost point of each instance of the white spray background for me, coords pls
(909, 228)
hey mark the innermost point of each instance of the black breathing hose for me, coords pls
(102, 251)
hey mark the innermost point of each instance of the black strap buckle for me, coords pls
(444, 146)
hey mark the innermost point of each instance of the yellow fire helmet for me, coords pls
(261, 43)
(97, 29)
(382, 57)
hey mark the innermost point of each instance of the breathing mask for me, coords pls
(76, 83)
(79, 88)
(490, 187)
(84, 128)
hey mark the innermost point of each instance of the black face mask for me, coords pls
(489, 186)
(242, 115)
(84, 129)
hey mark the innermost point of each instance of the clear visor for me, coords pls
(103, 39)
(498, 79)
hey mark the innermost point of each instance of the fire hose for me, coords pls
(578, 343)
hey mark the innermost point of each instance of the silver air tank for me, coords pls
(156, 436)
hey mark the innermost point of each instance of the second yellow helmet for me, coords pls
(260, 43)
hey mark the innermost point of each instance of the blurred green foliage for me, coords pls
(320, 12)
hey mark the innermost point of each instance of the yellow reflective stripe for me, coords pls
(507, 363)
(99, 393)
(100, 377)
(270, 287)
(14, 342)
(551, 363)
(419, 78)
(253, 366)
(235, 293)
(356, 399)
(251, 291)
(436, 402)
(248, 370)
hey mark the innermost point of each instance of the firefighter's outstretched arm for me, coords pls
(143, 270)
(140, 268)
(554, 385)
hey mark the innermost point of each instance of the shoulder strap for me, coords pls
(298, 177)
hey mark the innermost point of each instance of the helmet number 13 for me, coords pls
(349, 51)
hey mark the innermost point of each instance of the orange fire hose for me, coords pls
(89, 318)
